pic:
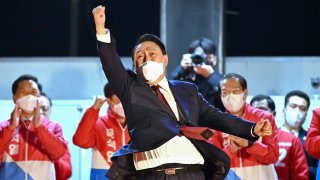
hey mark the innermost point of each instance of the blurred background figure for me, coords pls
(312, 144)
(105, 134)
(198, 66)
(292, 163)
(63, 167)
(296, 105)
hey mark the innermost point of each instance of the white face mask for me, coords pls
(233, 102)
(152, 70)
(117, 108)
(294, 117)
(28, 103)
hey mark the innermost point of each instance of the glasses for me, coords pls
(226, 92)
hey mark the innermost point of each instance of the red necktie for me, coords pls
(200, 133)
(27, 122)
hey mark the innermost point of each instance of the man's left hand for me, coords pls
(263, 128)
(36, 115)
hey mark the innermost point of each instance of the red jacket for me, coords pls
(312, 144)
(30, 150)
(63, 166)
(104, 134)
(292, 163)
(260, 156)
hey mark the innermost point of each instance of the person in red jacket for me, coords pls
(292, 163)
(249, 160)
(62, 165)
(312, 144)
(105, 134)
(29, 143)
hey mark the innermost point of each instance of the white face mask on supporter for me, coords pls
(152, 70)
(233, 102)
(28, 103)
(118, 109)
(294, 117)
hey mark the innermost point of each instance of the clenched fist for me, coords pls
(99, 19)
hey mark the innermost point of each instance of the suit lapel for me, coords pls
(160, 104)
(179, 96)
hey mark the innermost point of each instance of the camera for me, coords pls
(198, 58)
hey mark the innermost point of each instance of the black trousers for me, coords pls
(198, 175)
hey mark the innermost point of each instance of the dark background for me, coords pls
(253, 28)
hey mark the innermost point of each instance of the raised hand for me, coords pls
(263, 128)
(36, 115)
(100, 100)
(186, 61)
(99, 19)
(15, 116)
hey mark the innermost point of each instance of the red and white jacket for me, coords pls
(27, 152)
(292, 163)
(312, 144)
(104, 134)
(257, 161)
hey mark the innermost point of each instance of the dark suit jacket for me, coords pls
(151, 124)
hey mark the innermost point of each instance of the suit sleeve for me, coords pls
(63, 166)
(213, 118)
(52, 142)
(312, 144)
(113, 68)
(266, 151)
(86, 132)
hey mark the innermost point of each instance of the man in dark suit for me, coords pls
(160, 114)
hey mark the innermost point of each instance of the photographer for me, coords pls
(198, 67)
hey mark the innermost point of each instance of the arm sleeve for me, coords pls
(113, 68)
(266, 151)
(312, 144)
(63, 166)
(178, 73)
(298, 164)
(6, 134)
(215, 119)
(52, 142)
(86, 132)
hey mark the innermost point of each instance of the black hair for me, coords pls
(206, 44)
(149, 37)
(108, 91)
(45, 95)
(24, 77)
(241, 79)
(299, 94)
(261, 97)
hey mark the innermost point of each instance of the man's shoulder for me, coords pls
(5, 123)
(182, 83)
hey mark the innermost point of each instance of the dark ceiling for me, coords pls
(253, 28)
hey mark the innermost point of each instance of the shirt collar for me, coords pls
(164, 84)
(296, 133)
